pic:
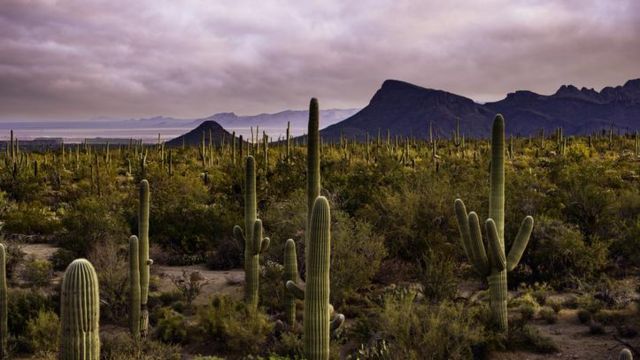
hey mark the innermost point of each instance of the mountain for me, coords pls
(276, 124)
(407, 109)
(194, 137)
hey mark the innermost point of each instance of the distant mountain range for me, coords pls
(407, 109)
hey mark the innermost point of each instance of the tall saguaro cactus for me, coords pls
(143, 253)
(134, 287)
(495, 265)
(313, 157)
(80, 313)
(290, 274)
(317, 309)
(254, 243)
(4, 325)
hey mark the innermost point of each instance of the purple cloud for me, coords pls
(71, 59)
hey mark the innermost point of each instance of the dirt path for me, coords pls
(39, 251)
(228, 282)
(574, 341)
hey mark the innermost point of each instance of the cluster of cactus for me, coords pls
(254, 243)
(492, 262)
(80, 313)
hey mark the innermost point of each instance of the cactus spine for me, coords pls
(290, 274)
(496, 264)
(80, 312)
(4, 325)
(143, 252)
(134, 287)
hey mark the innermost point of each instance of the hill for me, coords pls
(407, 109)
(194, 137)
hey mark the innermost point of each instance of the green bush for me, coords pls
(356, 254)
(31, 219)
(437, 276)
(234, 327)
(42, 332)
(557, 253)
(121, 346)
(37, 272)
(92, 220)
(418, 331)
(548, 315)
(171, 327)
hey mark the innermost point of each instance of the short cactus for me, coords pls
(134, 287)
(80, 312)
(496, 264)
(290, 274)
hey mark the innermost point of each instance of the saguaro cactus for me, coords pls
(625, 354)
(313, 157)
(134, 287)
(254, 243)
(290, 274)
(80, 312)
(143, 253)
(4, 325)
(317, 309)
(496, 264)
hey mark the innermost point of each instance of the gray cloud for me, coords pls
(79, 58)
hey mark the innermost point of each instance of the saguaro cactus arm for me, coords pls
(472, 238)
(295, 289)
(520, 243)
(498, 259)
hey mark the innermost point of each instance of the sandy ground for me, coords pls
(574, 341)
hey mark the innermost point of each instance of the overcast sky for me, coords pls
(78, 59)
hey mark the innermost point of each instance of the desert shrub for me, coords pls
(272, 289)
(15, 255)
(530, 338)
(189, 285)
(441, 331)
(584, 316)
(235, 327)
(596, 328)
(31, 219)
(121, 346)
(111, 263)
(37, 272)
(171, 327)
(42, 332)
(61, 259)
(557, 253)
(92, 220)
(356, 254)
(436, 273)
(548, 315)
(526, 311)
(290, 344)
(227, 255)
(23, 306)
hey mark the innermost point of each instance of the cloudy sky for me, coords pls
(78, 59)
